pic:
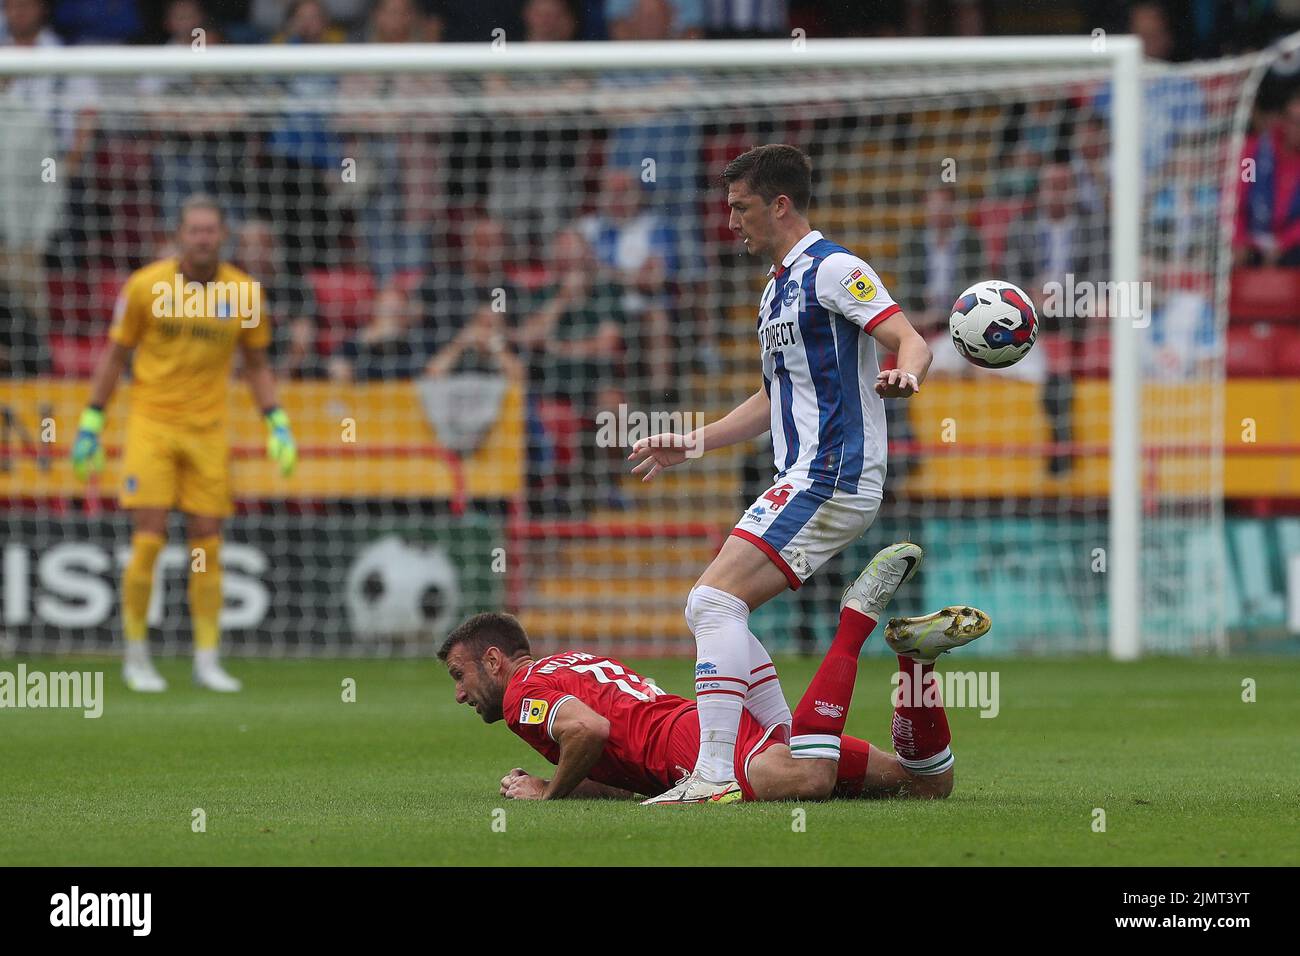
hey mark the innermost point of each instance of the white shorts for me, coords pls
(801, 524)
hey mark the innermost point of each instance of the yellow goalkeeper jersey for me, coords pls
(184, 334)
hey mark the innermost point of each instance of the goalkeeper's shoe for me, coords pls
(693, 788)
(925, 638)
(211, 676)
(888, 571)
(141, 676)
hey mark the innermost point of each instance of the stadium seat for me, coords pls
(69, 297)
(1270, 295)
(1057, 349)
(1094, 361)
(73, 356)
(1252, 350)
(107, 284)
(1286, 354)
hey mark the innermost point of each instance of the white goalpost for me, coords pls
(1078, 499)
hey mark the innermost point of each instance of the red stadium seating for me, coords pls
(69, 297)
(82, 301)
(1286, 353)
(74, 356)
(104, 294)
(1094, 358)
(1252, 350)
(1087, 359)
(1270, 295)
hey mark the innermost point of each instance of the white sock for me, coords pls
(205, 658)
(137, 652)
(720, 623)
(765, 700)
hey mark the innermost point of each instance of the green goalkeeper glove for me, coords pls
(280, 446)
(87, 450)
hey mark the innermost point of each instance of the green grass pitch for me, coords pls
(287, 773)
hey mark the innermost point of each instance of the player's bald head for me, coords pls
(773, 170)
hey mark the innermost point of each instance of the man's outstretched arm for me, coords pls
(581, 734)
(519, 784)
(747, 420)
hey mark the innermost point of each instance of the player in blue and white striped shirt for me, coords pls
(818, 323)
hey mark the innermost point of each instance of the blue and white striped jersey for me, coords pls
(819, 366)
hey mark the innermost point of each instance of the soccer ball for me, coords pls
(993, 324)
(396, 590)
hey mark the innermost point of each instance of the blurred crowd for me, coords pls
(542, 247)
(1206, 27)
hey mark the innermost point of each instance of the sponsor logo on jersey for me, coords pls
(755, 513)
(130, 483)
(533, 711)
(859, 286)
(777, 336)
(706, 668)
(829, 710)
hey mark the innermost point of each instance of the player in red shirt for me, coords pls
(611, 733)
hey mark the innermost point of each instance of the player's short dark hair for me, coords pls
(200, 201)
(489, 629)
(773, 170)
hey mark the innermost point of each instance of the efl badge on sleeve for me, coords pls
(859, 286)
(533, 711)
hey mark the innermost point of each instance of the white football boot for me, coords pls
(888, 571)
(925, 638)
(141, 676)
(209, 674)
(693, 788)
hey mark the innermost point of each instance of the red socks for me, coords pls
(920, 731)
(920, 725)
(852, 776)
(819, 718)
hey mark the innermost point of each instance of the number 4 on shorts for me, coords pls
(778, 495)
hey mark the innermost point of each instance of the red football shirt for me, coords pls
(638, 755)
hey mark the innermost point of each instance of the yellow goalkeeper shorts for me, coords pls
(165, 466)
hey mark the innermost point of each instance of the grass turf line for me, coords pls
(287, 773)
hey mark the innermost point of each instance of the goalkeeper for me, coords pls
(179, 321)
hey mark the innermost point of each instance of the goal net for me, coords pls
(484, 282)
